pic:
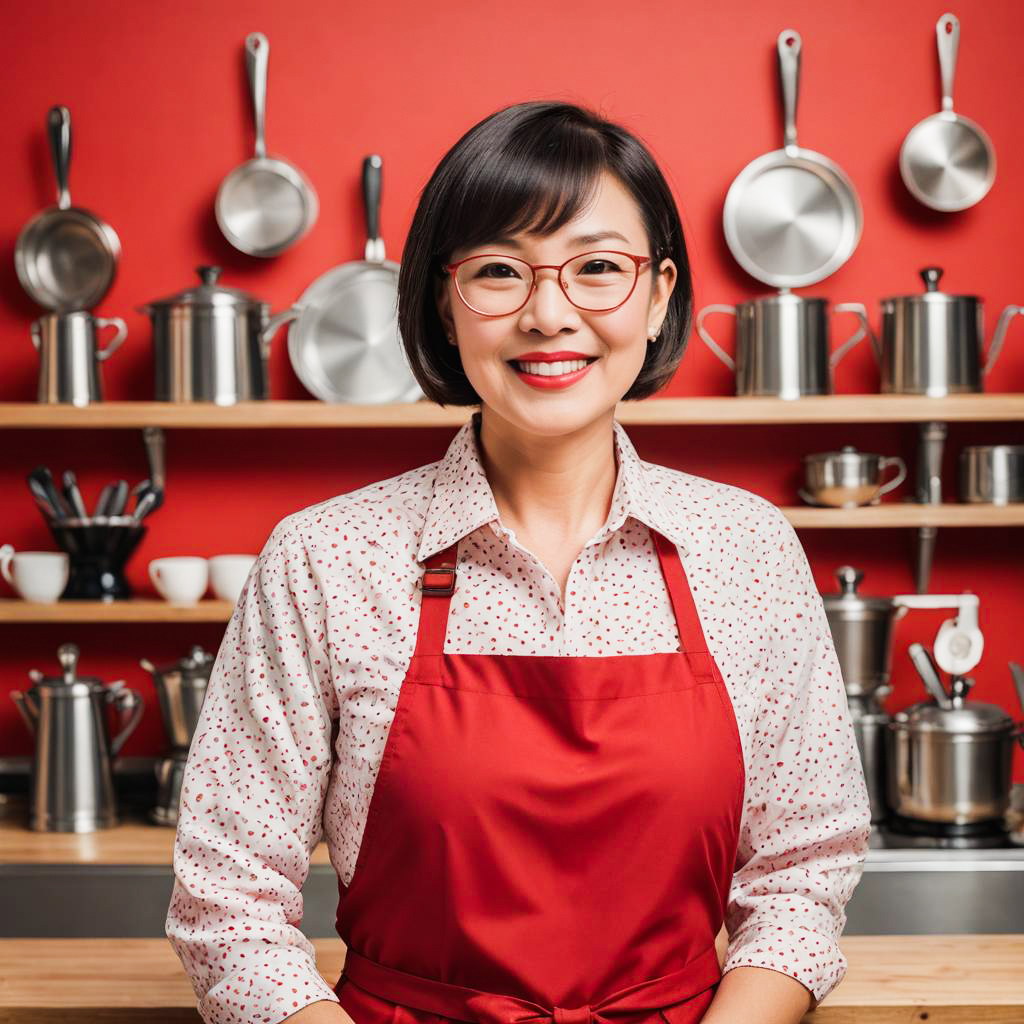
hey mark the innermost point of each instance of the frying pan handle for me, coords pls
(789, 47)
(863, 331)
(275, 322)
(58, 125)
(371, 194)
(257, 53)
(116, 340)
(997, 339)
(947, 32)
(708, 340)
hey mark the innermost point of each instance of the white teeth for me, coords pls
(551, 369)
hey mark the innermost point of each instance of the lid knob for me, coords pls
(67, 655)
(930, 276)
(849, 579)
(208, 275)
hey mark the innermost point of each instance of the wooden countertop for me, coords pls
(892, 979)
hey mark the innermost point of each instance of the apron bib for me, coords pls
(549, 838)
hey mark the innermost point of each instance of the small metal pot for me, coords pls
(782, 344)
(932, 342)
(208, 344)
(848, 478)
(952, 764)
(70, 356)
(992, 474)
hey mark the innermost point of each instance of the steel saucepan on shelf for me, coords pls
(992, 474)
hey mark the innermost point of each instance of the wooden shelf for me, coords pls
(872, 408)
(905, 514)
(14, 610)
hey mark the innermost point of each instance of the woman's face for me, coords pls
(550, 323)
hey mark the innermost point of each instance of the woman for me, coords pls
(560, 713)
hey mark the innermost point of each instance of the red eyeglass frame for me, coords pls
(639, 262)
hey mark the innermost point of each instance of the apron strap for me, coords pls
(691, 633)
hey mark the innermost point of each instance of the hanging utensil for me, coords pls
(44, 482)
(73, 495)
(344, 345)
(947, 161)
(929, 673)
(791, 217)
(267, 204)
(66, 257)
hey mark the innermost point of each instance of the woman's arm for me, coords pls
(322, 1012)
(755, 994)
(252, 798)
(807, 820)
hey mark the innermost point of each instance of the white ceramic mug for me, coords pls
(228, 574)
(180, 580)
(35, 575)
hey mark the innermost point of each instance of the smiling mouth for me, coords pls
(551, 369)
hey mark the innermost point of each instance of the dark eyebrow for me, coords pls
(593, 239)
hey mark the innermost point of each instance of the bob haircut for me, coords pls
(531, 167)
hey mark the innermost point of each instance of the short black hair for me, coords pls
(531, 167)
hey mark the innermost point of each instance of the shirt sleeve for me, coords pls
(251, 800)
(807, 818)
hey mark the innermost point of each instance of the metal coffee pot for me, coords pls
(181, 689)
(70, 355)
(932, 342)
(782, 344)
(72, 780)
(208, 345)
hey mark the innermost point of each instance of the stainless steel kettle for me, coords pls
(181, 689)
(72, 786)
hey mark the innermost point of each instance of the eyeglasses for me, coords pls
(493, 284)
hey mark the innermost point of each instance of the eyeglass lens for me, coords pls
(594, 281)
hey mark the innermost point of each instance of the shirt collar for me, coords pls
(462, 500)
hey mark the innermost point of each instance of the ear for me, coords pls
(661, 292)
(442, 296)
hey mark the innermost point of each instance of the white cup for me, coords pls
(228, 574)
(180, 580)
(35, 575)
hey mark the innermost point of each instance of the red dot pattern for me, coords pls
(306, 681)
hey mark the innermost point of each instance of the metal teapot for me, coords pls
(72, 786)
(181, 690)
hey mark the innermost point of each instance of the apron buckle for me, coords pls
(439, 582)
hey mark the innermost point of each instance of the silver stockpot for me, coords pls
(992, 474)
(952, 764)
(932, 342)
(782, 344)
(181, 689)
(208, 344)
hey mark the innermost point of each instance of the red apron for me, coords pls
(550, 839)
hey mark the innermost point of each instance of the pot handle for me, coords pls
(708, 340)
(115, 342)
(864, 329)
(901, 473)
(272, 325)
(129, 708)
(35, 332)
(997, 339)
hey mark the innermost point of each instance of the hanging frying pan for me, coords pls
(791, 217)
(266, 204)
(947, 161)
(344, 344)
(66, 257)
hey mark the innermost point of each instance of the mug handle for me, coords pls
(118, 338)
(997, 339)
(708, 340)
(6, 557)
(901, 473)
(858, 335)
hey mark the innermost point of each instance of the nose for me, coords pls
(548, 309)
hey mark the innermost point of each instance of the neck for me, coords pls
(557, 487)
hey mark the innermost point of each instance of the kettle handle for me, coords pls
(864, 329)
(129, 709)
(28, 708)
(115, 342)
(708, 340)
(997, 339)
(271, 326)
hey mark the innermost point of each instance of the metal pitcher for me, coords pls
(72, 780)
(70, 355)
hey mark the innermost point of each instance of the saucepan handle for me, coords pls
(901, 473)
(708, 340)
(273, 324)
(997, 339)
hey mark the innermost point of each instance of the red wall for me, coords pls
(160, 114)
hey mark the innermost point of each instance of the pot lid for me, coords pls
(848, 600)
(198, 662)
(208, 293)
(930, 276)
(974, 717)
(67, 655)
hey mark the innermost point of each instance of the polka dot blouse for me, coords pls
(306, 682)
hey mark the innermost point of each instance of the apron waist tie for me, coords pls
(476, 1007)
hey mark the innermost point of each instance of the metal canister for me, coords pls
(208, 344)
